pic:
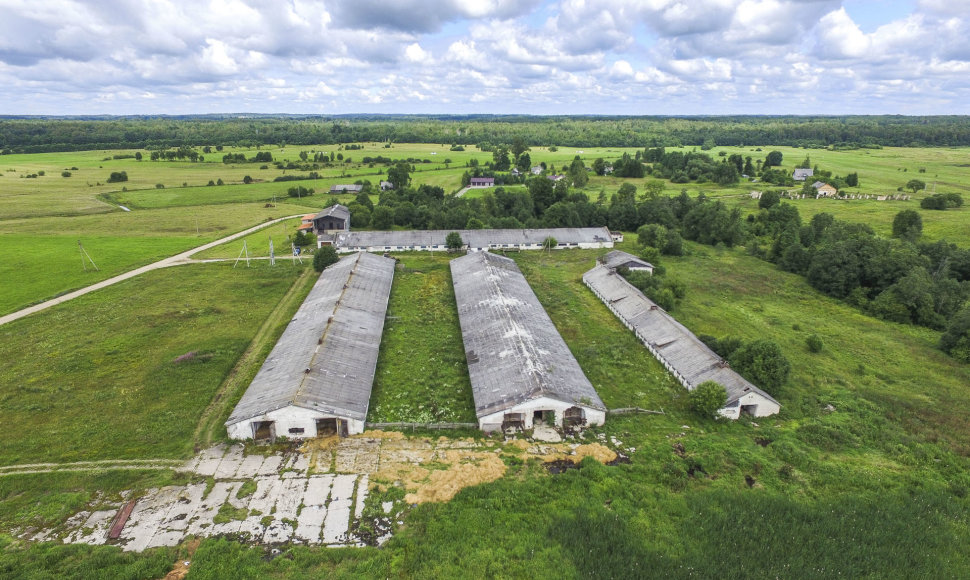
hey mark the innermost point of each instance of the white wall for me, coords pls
(291, 417)
(765, 407)
(494, 421)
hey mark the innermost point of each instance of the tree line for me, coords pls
(44, 134)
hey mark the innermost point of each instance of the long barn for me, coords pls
(318, 378)
(677, 348)
(520, 368)
(473, 240)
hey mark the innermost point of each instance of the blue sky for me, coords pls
(673, 57)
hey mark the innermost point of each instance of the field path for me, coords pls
(176, 260)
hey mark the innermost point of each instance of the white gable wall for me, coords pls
(291, 417)
(493, 422)
(763, 407)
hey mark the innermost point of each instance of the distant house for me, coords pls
(620, 259)
(306, 222)
(333, 219)
(515, 172)
(555, 177)
(339, 189)
(386, 186)
(537, 170)
(482, 182)
(802, 174)
(617, 236)
(824, 190)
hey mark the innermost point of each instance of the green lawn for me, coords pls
(421, 374)
(96, 378)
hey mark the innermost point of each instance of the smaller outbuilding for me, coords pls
(620, 259)
(801, 174)
(824, 190)
(341, 189)
(482, 182)
(386, 186)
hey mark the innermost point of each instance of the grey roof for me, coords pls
(472, 238)
(348, 188)
(818, 184)
(801, 174)
(618, 258)
(514, 351)
(337, 211)
(336, 333)
(672, 341)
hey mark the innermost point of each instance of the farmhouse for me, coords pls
(339, 189)
(676, 347)
(824, 190)
(386, 186)
(801, 174)
(335, 218)
(317, 380)
(482, 182)
(474, 240)
(520, 368)
(619, 259)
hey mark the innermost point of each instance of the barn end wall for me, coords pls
(291, 418)
(764, 408)
(493, 421)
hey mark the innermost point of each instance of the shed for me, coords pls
(386, 186)
(687, 358)
(339, 189)
(620, 259)
(482, 182)
(317, 380)
(520, 368)
(824, 190)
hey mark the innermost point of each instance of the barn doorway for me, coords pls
(543, 416)
(749, 410)
(513, 421)
(331, 426)
(574, 417)
(263, 430)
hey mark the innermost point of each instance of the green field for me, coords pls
(96, 378)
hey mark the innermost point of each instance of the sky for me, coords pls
(545, 57)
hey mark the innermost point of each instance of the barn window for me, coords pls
(513, 421)
(574, 416)
(296, 430)
(264, 430)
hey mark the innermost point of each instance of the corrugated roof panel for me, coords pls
(514, 351)
(679, 347)
(473, 238)
(336, 334)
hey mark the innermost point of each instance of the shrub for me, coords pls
(454, 241)
(814, 343)
(324, 257)
(159, 186)
(763, 363)
(65, 173)
(707, 398)
(247, 180)
(117, 177)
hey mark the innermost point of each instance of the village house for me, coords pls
(801, 174)
(824, 190)
(341, 189)
(333, 219)
(386, 186)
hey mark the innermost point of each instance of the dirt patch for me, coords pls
(679, 449)
(559, 466)
(181, 568)
(762, 441)
(749, 480)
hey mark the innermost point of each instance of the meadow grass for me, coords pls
(42, 258)
(421, 374)
(97, 377)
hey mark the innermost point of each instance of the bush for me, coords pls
(814, 343)
(247, 180)
(454, 241)
(763, 363)
(956, 340)
(325, 256)
(707, 398)
(117, 177)
(65, 173)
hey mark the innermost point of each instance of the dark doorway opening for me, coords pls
(264, 430)
(749, 410)
(574, 417)
(543, 416)
(331, 426)
(513, 421)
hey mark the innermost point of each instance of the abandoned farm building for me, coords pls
(335, 218)
(620, 259)
(318, 378)
(474, 240)
(676, 347)
(520, 368)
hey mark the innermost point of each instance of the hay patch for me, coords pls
(442, 485)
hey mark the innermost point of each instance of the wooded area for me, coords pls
(46, 134)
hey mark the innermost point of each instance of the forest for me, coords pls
(48, 134)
